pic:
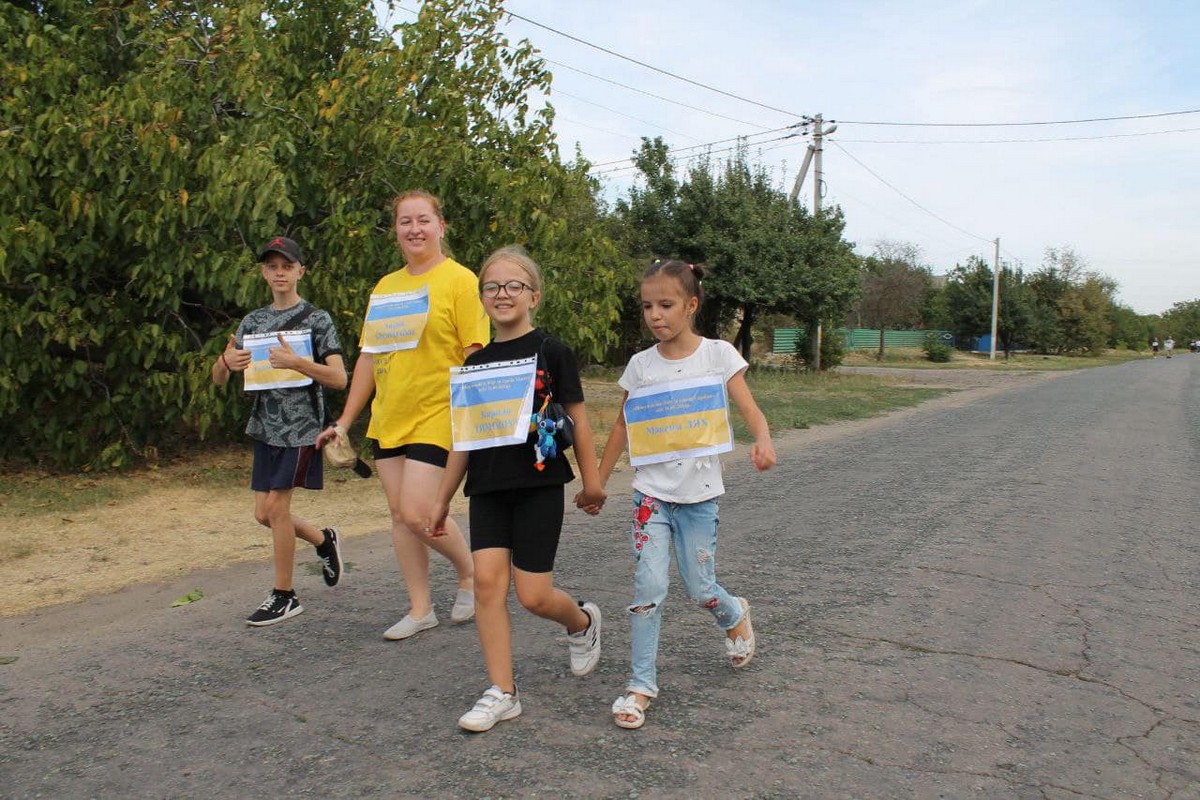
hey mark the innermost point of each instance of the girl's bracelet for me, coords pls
(226, 363)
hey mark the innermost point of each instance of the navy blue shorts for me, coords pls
(527, 522)
(286, 467)
(425, 453)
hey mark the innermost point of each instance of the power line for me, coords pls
(652, 67)
(1114, 118)
(1015, 141)
(682, 158)
(615, 111)
(651, 94)
(582, 124)
(884, 181)
(1019, 124)
(745, 138)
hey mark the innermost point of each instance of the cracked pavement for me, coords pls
(993, 595)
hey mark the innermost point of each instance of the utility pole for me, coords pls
(814, 155)
(995, 297)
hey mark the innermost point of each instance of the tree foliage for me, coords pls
(764, 253)
(149, 148)
(1181, 321)
(967, 303)
(895, 287)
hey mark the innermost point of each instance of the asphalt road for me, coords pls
(992, 596)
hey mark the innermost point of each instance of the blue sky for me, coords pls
(1128, 205)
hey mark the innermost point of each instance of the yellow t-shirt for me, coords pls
(412, 387)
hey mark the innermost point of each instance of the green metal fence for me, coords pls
(784, 339)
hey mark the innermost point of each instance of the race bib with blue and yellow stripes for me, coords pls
(678, 419)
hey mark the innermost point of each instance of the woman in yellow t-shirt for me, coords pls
(422, 319)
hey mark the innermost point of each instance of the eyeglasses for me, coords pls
(511, 288)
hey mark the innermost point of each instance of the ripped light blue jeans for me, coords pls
(692, 527)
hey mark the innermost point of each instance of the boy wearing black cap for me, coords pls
(289, 407)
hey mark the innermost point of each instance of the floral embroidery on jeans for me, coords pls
(641, 516)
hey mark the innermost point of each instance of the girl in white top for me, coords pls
(675, 500)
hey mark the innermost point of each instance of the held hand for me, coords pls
(435, 523)
(590, 501)
(326, 436)
(236, 360)
(762, 455)
(282, 357)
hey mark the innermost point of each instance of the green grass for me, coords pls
(797, 400)
(26, 492)
(34, 493)
(789, 400)
(909, 358)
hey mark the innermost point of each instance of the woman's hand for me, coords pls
(330, 433)
(435, 523)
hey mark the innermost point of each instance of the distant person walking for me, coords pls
(288, 351)
(422, 319)
(1169, 345)
(1154, 347)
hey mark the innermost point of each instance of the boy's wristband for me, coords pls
(226, 363)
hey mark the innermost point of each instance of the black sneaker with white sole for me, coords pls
(276, 608)
(330, 553)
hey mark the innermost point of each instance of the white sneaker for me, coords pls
(495, 706)
(464, 606)
(585, 645)
(410, 625)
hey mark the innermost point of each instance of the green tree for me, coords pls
(894, 288)
(1072, 304)
(148, 148)
(968, 303)
(764, 253)
(1182, 321)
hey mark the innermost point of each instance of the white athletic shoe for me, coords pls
(410, 625)
(585, 645)
(494, 706)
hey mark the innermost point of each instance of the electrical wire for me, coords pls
(1015, 141)
(675, 159)
(745, 137)
(622, 113)
(1019, 124)
(651, 94)
(652, 67)
(884, 181)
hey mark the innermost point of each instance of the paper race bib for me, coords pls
(490, 404)
(261, 375)
(678, 419)
(395, 321)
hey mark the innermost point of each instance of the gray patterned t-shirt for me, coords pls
(290, 417)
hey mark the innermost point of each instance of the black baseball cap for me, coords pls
(285, 247)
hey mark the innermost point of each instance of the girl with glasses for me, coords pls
(516, 489)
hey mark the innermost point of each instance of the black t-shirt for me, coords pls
(497, 469)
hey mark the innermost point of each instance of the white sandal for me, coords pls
(741, 650)
(628, 705)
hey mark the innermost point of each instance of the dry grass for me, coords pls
(64, 538)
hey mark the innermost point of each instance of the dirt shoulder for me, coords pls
(195, 516)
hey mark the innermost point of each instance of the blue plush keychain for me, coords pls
(546, 446)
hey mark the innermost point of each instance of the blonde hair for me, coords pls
(517, 255)
(431, 198)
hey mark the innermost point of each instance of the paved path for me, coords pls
(987, 599)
